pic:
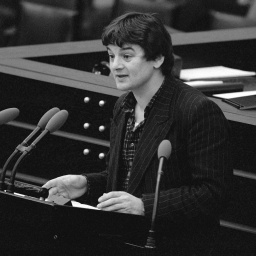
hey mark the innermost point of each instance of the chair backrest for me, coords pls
(165, 9)
(66, 4)
(251, 14)
(9, 13)
(222, 20)
(40, 24)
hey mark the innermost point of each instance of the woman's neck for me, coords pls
(144, 96)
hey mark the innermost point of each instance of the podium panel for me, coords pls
(44, 228)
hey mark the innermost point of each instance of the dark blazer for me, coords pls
(196, 176)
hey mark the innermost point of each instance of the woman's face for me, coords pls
(129, 67)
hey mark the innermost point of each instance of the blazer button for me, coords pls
(132, 145)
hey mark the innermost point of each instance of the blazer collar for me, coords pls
(157, 126)
(165, 97)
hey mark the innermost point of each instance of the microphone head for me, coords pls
(46, 117)
(8, 115)
(164, 149)
(57, 121)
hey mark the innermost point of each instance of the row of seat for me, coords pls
(194, 15)
(26, 22)
(39, 21)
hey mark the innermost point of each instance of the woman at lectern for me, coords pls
(156, 106)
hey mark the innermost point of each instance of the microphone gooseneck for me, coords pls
(53, 125)
(8, 115)
(164, 152)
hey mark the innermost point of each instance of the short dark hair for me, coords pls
(145, 30)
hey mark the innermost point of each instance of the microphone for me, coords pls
(41, 124)
(53, 125)
(20, 148)
(164, 152)
(8, 115)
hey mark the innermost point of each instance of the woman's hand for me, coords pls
(68, 186)
(120, 201)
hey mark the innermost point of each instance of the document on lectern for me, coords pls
(86, 206)
(60, 200)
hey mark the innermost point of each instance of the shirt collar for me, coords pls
(129, 102)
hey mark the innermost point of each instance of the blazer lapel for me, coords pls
(156, 128)
(118, 126)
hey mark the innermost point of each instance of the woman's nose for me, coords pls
(116, 63)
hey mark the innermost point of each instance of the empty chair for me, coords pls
(9, 17)
(67, 4)
(165, 9)
(40, 24)
(221, 20)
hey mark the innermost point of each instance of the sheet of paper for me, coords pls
(234, 94)
(79, 205)
(18, 194)
(204, 83)
(215, 72)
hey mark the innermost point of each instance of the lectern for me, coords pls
(30, 226)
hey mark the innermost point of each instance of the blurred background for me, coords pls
(26, 22)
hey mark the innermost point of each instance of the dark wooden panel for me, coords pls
(53, 156)
(81, 61)
(35, 97)
(241, 208)
(235, 54)
(235, 243)
(243, 142)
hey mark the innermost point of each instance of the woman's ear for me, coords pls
(158, 61)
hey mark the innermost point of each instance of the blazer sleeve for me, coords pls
(206, 134)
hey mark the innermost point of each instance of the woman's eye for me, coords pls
(111, 56)
(127, 57)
